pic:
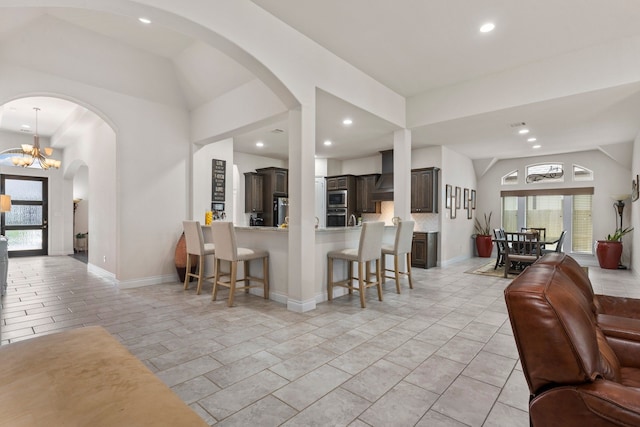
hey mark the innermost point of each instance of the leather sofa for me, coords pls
(581, 370)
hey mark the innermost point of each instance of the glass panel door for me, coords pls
(26, 224)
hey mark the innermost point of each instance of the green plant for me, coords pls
(615, 237)
(483, 229)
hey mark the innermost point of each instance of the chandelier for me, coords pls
(30, 154)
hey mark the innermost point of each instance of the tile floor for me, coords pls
(441, 354)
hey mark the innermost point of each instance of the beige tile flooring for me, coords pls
(441, 354)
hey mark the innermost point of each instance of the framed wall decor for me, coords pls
(472, 201)
(469, 212)
(452, 210)
(447, 196)
(466, 198)
(458, 197)
(634, 188)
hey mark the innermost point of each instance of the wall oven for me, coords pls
(336, 199)
(336, 217)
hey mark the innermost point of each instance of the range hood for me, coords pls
(384, 185)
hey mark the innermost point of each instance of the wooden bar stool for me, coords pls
(401, 246)
(196, 246)
(224, 237)
(369, 249)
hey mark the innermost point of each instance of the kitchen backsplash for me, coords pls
(424, 221)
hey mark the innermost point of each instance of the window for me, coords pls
(510, 178)
(582, 231)
(581, 173)
(545, 172)
(555, 210)
(545, 212)
(510, 213)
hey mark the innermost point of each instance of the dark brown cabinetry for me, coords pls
(253, 193)
(276, 180)
(340, 182)
(275, 184)
(365, 185)
(424, 249)
(424, 190)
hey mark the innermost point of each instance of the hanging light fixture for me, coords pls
(30, 154)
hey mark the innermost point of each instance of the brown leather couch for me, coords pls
(577, 374)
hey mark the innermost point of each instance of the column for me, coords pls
(402, 173)
(301, 274)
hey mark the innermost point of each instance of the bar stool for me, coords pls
(369, 249)
(224, 237)
(196, 246)
(401, 246)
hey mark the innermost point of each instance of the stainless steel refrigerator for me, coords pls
(280, 210)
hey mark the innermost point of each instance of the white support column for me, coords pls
(302, 236)
(402, 173)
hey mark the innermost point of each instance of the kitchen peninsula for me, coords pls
(275, 240)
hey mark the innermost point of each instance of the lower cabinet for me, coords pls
(424, 249)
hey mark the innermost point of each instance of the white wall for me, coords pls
(610, 177)
(202, 179)
(455, 237)
(96, 148)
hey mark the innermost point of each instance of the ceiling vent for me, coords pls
(517, 124)
(276, 130)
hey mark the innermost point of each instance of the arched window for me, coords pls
(545, 172)
(580, 173)
(510, 178)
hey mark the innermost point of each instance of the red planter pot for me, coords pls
(484, 245)
(609, 254)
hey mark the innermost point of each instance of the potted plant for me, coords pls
(609, 251)
(484, 242)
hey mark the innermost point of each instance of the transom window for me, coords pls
(510, 178)
(580, 173)
(545, 172)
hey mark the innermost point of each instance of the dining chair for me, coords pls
(224, 237)
(401, 246)
(542, 232)
(558, 244)
(196, 246)
(501, 244)
(369, 249)
(523, 251)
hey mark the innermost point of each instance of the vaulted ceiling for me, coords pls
(413, 47)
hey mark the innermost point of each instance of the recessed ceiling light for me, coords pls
(523, 131)
(488, 27)
(26, 127)
(259, 144)
(532, 139)
(347, 122)
(327, 142)
(144, 20)
(537, 146)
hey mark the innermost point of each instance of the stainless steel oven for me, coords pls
(336, 217)
(336, 199)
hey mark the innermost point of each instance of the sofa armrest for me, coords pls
(601, 403)
(619, 306)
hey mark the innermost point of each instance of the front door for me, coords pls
(25, 226)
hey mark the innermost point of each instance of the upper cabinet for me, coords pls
(365, 184)
(339, 182)
(276, 181)
(253, 193)
(424, 190)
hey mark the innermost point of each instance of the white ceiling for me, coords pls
(410, 46)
